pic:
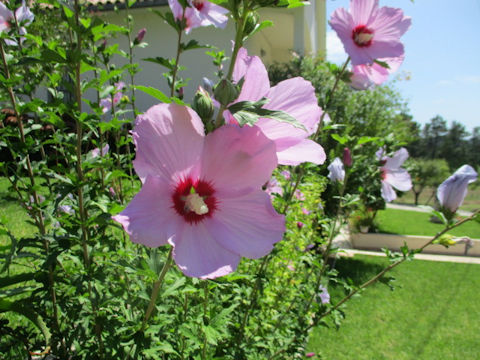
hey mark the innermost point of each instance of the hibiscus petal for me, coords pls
(175, 156)
(247, 225)
(452, 191)
(235, 157)
(149, 219)
(390, 24)
(388, 194)
(363, 11)
(197, 254)
(256, 83)
(305, 151)
(214, 15)
(399, 179)
(297, 98)
(397, 159)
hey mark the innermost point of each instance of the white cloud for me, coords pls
(335, 52)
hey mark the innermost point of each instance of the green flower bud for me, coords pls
(250, 23)
(225, 92)
(203, 105)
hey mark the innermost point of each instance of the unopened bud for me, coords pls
(203, 105)
(347, 157)
(250, 23)
(225, 92)
(140, 35)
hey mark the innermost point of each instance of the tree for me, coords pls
(432, 135)
(454, 147)
(426, 173)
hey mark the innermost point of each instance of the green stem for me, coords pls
(205, 318)
(236, 48)
(156, 288)
(177, 59)
(330, 97)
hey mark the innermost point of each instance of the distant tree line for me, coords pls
(454, 143)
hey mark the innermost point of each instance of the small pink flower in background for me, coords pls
(24, 17)
(295, 96)
(324, 295)
(299, 195)
(336, 170)
(452, 191)
(305, 211)
(286, 174)
(291, 267)
(393, 176)
(300, 224)
(273, 188)
(369, 32)
(100, 152)
(106, 105)
(202, 194)
(199, 13)
(310, 354)
(366, 76)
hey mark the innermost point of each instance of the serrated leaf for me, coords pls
(211, 334)
(193, 44)
(161, 61)
(382, 64)
(366, 139)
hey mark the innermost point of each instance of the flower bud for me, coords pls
(140, 35)
(250, 23)
(225, 92)
(202, 104)
(336, 170)
(452, 191)
(347, 157)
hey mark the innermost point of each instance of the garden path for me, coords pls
(425, 209)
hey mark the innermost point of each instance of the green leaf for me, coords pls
(261, 26)
(341, 139)
(162, 61)
(382, 64)
(193, 44)
(15, 279)
(366, 139)
(211, 334)
(157, 94)
(249, 112)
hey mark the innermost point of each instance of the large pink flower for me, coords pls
(202, 194)
(393, 176)
(200, 13)
(294, 96)
(365, 76)
(369, 32)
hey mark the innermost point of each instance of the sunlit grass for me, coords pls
(431, 314)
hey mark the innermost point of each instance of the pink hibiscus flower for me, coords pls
(393, 176)
(200, 13)
(369, 32)
(365, 76)
(295, 96)
(202, 194)
(23, 15)
(452, 191)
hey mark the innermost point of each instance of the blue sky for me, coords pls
(441, 71)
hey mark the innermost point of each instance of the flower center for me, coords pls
(198, 4)
(362, 36)
(194, 200)
(383, 174)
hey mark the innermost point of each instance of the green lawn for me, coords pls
(404, 222)
(433, 313)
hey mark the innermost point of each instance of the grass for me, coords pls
(471, 202)
(14, 217)
(432, 314)
(404, 222)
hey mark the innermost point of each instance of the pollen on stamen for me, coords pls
(362, 36)
(194, 200)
